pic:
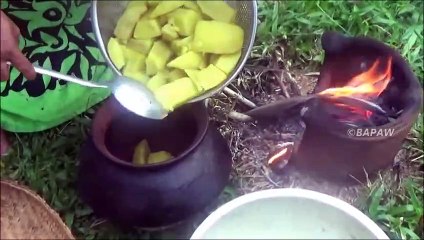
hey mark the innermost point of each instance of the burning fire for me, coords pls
(279, 159)
(367, 85)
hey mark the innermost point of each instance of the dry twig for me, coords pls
(293, 82)
(282, 85)
(239, 116)
(239, 97)
(312, 74)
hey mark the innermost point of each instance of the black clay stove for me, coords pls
(333, 149)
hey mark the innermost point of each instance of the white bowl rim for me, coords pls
(289, 192)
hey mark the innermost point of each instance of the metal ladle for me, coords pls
(133, 95)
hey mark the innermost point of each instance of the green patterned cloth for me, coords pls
(55, 35)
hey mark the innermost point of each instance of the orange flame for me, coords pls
(369, 84)
(277, 155)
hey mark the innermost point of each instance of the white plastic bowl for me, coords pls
(288, 214)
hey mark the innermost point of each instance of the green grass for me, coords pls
(397, 207)
(47, 161)
(301, 24)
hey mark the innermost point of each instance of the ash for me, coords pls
(252, 142)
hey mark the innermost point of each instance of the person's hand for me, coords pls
(10, 52)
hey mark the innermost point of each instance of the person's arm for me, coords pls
(10, 52)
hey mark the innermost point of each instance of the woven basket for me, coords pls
(25, 215)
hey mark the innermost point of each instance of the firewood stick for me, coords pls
(239, 116)
(239, 97)
(312, 74)
(293, 82)
(282, 85)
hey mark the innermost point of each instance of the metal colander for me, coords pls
(105, 14)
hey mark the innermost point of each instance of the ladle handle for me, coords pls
(68, 78)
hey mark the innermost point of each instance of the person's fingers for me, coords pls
(4, 71)
(22, 64)
(16, 30)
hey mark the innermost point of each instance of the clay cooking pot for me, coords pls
(157, 195)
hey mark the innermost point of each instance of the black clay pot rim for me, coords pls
(198, 139)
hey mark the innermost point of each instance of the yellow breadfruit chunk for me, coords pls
(185, 20)
(217, 37)
(147, 29)
(146, 15)
(192, 5)
(140, 45)
(217, 10)
(193, 75)
(126, 23)
(116, 53)
(163, 20)
(213, 58)
(135, 61)
(204, 63)
(141, 153)
(165, 7)
(176, 74)
(139, 6)
(210, 77)
(137, 75)
(169, 33)
(189, 60)
(152, 3)
(135, 65)
(156, 81)
(157, 58)
(226, 62)
(181, 46)
(134, 58)
(175, 93)
(158, 157)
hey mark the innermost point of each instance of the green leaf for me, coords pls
(4, 4)
(376, 197)
(73, 31)
(401, 210)
(67, 63)
(65, 42)
(14, 74)
(101, 73)
(69, 219)
(417, 204)
(72, 46)
(406, 8)
(48, 39)
(30, 43)
(84, 66)
(24, 15)
(41, 49)
(91, 35)
(385, 217)
(410, 233)
(410, 43)
(77, 13)
(47, 65)
(95, 52)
